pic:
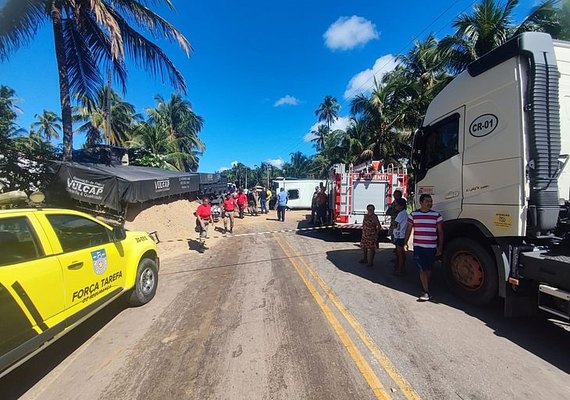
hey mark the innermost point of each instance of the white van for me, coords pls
(300, 191)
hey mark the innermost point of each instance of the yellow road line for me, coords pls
(365, 368)
(379, 355)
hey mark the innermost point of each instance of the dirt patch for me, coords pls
(174, 223)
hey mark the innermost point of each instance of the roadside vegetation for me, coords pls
(381, 120)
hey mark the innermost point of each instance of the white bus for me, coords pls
(300, 191)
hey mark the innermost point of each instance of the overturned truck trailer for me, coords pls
(111, 188)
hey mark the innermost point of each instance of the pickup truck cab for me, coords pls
(57, 268)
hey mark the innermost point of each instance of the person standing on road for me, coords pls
(400, 226)
(282, 199)
(203, 220)
(393, 213)
(370, 230)
(229, 206)
(241, 202)
(263, 201)
(428, 240)
(269, 195)
(322, 201)
(314, 206)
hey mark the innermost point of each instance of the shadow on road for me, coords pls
(535, 334)
(331, 234)
(23, 378)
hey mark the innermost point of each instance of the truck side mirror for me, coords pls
(119, 233)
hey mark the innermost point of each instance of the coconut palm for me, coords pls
(47, 126)
(93, 114)
(181, 125)
(328, 111)
(319, 136)
(8, 112)
(299, 166)
(90, 34)
(158, 150)
(490, 25)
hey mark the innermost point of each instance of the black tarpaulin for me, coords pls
(112, 186)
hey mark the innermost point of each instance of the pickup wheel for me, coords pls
(146, 283)
(470, 271)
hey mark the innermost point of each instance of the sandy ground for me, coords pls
(174, 223)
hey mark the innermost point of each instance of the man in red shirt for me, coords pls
(241, 202)
(203, 219)
(229, 206)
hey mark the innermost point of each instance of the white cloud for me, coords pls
(233, 164)
(349, 32)
(363, 82)
(341, 123)
(286, 101)
(277, 162)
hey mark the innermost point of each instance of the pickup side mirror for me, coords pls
(119, 233)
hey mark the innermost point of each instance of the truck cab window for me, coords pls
(441, 141)
(75, 232)
(18, 241)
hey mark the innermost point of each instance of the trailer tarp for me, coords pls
(112, 186)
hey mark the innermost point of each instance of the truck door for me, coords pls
(93, 265)
(31, 288)
(441, 152)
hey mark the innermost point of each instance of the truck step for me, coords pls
(541, 266)
(554, 300)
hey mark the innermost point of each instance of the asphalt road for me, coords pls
(293, 315)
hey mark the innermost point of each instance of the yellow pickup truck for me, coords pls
(57, 268)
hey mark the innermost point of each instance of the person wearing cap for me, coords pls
(229, 206)
(203, 220)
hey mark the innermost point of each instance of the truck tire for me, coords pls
(470, 271)
(146, 283)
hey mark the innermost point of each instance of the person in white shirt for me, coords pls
(399, 234)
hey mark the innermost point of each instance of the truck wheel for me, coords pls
(470, 271)
(146, 283)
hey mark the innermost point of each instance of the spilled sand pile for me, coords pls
(173, 221)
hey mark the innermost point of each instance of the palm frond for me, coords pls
(152, 22)
(100, 45)
(84, 76)
(19, 22)
(149, 55)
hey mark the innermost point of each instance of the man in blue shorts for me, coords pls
(428, 240)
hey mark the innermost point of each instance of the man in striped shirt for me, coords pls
(428, 240)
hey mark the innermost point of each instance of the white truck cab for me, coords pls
(492, 153)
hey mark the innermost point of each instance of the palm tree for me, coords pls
(328, 111)
(299, 166)
(8, 112)
(489, 26)
(181, 125)
(158, 150)
(93, 114)
(382, 114)
(47, 126)
(90, 34)
(319, 136)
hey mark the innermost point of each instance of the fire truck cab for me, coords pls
(352, 189)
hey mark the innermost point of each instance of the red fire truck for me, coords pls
(352, 189)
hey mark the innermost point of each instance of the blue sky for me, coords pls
(259, 68)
